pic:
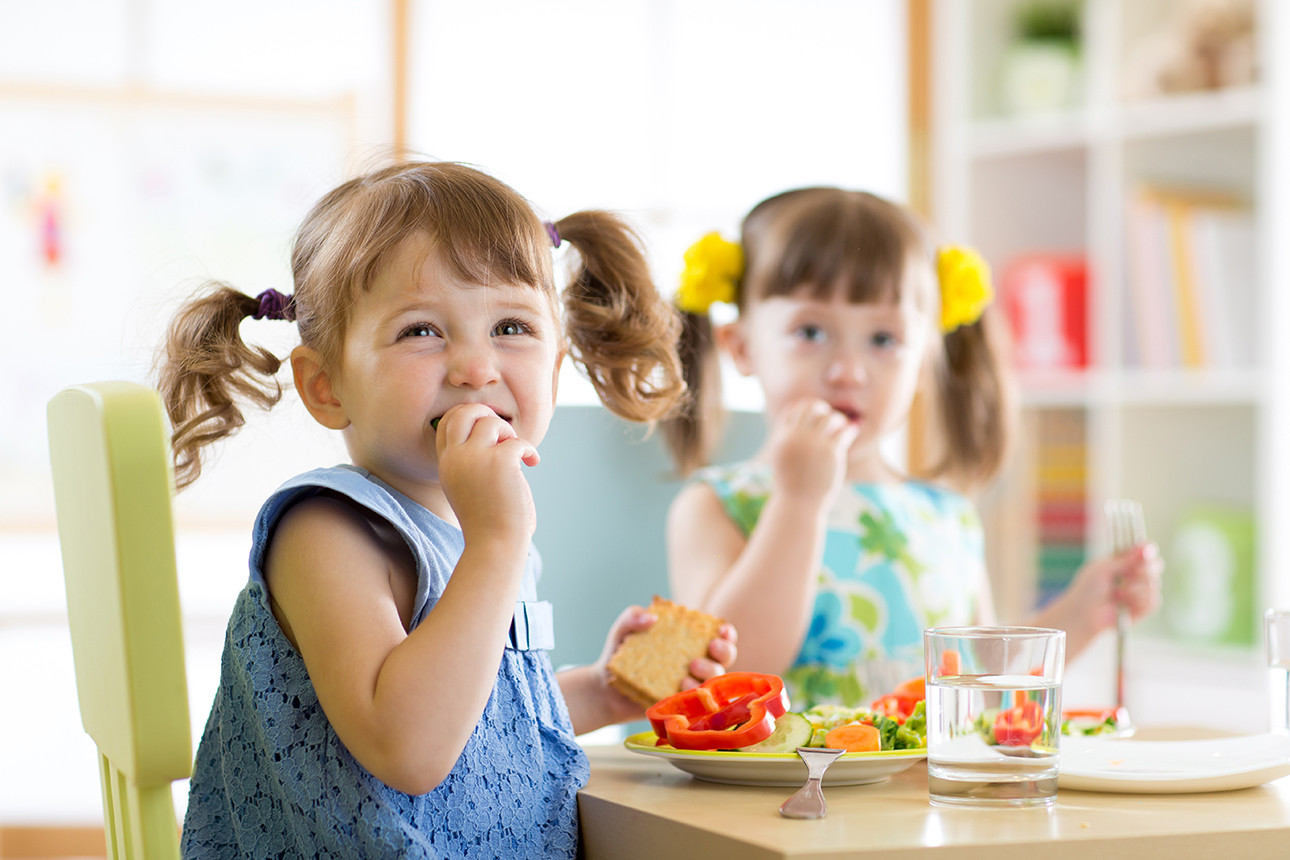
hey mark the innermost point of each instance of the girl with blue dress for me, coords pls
(829, 559)
(385, 689)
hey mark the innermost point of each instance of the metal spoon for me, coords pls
(808, 802)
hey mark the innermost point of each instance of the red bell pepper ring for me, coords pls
(726, 712)
(1020, 725)
(896, 706)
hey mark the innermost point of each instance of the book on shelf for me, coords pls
(1191, 279)
(1061, 500)
(1045, 297)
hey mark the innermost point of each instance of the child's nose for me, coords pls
(472, 366)
(846, 366)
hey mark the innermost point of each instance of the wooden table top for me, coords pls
(637, 806)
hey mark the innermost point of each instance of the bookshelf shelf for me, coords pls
(1181, 396)
(1191, 113)
(996, 138)
(1129, 387)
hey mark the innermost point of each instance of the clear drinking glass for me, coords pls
(1276, 628)
(993, 714)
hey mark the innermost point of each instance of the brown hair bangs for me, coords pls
(829, 241)
(484, 230)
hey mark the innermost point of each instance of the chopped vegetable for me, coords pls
(913, 733)
(730, 711)
(914, 688)
(791, 731)
(854, 737)
(719, 713)
(1018, 726)
(1090, 721)
(897, 707)
(951, 663)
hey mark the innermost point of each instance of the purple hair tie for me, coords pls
(275, 306)
(553, 233)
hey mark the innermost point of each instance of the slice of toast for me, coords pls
(651, 665)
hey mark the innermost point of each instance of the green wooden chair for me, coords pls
(112, 488)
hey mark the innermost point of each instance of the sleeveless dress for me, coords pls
(897, 558)
(272, 779)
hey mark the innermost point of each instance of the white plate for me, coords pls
(738, 768)
(1172, 767)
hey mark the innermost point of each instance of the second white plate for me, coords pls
(738, 768)
(1172, 767)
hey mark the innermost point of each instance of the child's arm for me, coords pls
(593, 703)
(405, 704)
(765, 584)
(1088, 605)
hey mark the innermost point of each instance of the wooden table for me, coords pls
(636, 806)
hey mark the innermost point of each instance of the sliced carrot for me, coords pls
(854, 737)
(914, 688)
(950, 663)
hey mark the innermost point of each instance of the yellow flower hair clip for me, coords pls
(965, 286)
(713, 267)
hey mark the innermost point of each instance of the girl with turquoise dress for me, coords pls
(829, 559)
(385, 689)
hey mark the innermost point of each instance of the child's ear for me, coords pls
(731, 338)
(315, 385)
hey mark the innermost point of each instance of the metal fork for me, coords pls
(1128, 529)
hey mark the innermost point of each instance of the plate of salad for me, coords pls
(737, 729)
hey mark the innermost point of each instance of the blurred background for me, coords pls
(1123, 164)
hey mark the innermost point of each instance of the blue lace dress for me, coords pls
(897, 558)
(272, 779)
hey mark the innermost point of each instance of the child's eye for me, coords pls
(418, 330)
(510, 328)
(811, 333)
(885, 340)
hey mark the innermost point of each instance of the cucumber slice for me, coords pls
(791, 731)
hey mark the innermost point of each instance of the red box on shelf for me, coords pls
(1046, 300)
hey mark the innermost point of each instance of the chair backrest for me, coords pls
(112, 490)
(602, 492)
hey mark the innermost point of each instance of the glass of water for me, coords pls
(993, 714)
(1276, 628)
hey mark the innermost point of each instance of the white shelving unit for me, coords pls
(1059, 182)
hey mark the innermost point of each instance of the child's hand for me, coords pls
(808, 449)
(480, 459)
(721, 654)
(1131, 579)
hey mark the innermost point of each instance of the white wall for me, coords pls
(187, 140)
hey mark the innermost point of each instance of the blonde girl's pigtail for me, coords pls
(206, 367)
(713, 270)
(621, 330)
(972, 379)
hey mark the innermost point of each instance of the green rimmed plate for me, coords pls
(739, 768)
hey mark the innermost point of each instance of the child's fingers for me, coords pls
(701, 669)
(475, 422)
(723, 651)
(458, 424)
(817, 416)
(1137, 585)
(631, 620)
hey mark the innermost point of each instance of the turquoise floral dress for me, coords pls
(898, 558)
